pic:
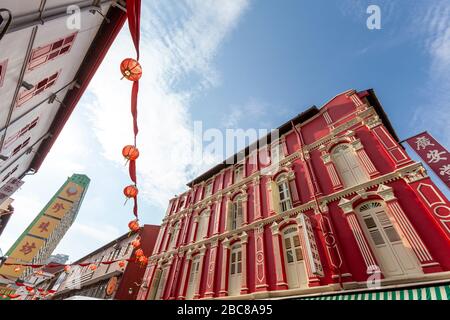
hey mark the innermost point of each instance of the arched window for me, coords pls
(234, 287)
(395, 258)
(348, 165)
(236, 213)
(284, 193)
(193, 277)
(202, 228)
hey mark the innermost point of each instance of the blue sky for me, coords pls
(235, 64)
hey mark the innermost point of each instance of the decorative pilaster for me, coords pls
(146, 280)
(331, 169)
(244, 240)
(224, 270)
(208, 218)
(353, 96)
(173, 277)
(364, 158)
(186, 227)
(279, 266)
(270, 203)
(260, 268)
(257, 198)
(227, 210)
(416, 243)
(187, 262)
(218, 210)
(200, 272)
(363, 245)
(245, 210)
(194, 228)
(211, 270)
(293, 188)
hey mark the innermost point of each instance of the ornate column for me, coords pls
(161, 233)
(293, 187)
(309, 250)
(284, 147)
(364, 158)
(363, 245)
(260, 268)
(166, 288)
(182, 287)
(227, 210)
(245, 209)
(257, 198)
(224, 270)
(331, 169)
(198, 280)
(270, 203)
(218, 210)
(211, 270)
(173, 277)
(186, 227)
(194, 228)
(208, 217)
(281, 282)
(244, 240)
(416, 243)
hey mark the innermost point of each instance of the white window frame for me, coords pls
(284, 193)
(238, 173)
(202, 225)
(208, 188)
(236, 213)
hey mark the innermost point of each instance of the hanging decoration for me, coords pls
(139, 253)
(134, 225)
(136, 243)
(131, 69)
(130, 152)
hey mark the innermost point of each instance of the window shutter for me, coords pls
(275, 197)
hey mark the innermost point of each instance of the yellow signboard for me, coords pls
(58, 208)
(35, 236)
(44, 227)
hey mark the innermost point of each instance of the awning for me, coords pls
(441, 292)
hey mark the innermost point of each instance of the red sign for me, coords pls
(433, 153)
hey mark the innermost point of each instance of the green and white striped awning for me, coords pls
(427, 293)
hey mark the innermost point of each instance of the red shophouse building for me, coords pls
(338, 202)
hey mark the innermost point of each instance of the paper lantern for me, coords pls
(134, 225)
(130, 191)
(136, 243)
(139, 253)
(13, 296)
(131, 69)
(130, 152)
(67, 269)
(29, 289)
(93, 267)
(143, 260)
(121, 264)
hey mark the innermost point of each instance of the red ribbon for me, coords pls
(134, 23)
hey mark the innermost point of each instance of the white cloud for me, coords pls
(180, 41)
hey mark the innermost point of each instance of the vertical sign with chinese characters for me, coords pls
(433, 153)
(9, 188)
(46, 230)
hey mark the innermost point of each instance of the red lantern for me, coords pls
(139, 253)
(143, 260)
(29, 289)
(121, 263)
(13, 296)
(130, 152)
(93, 267)
(130, 191)
(136, 243)
(134, 225)
(67, 269)
(131, 69)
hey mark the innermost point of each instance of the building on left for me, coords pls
(49, 51)
(37, 243)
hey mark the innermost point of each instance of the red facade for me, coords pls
(333, 202)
